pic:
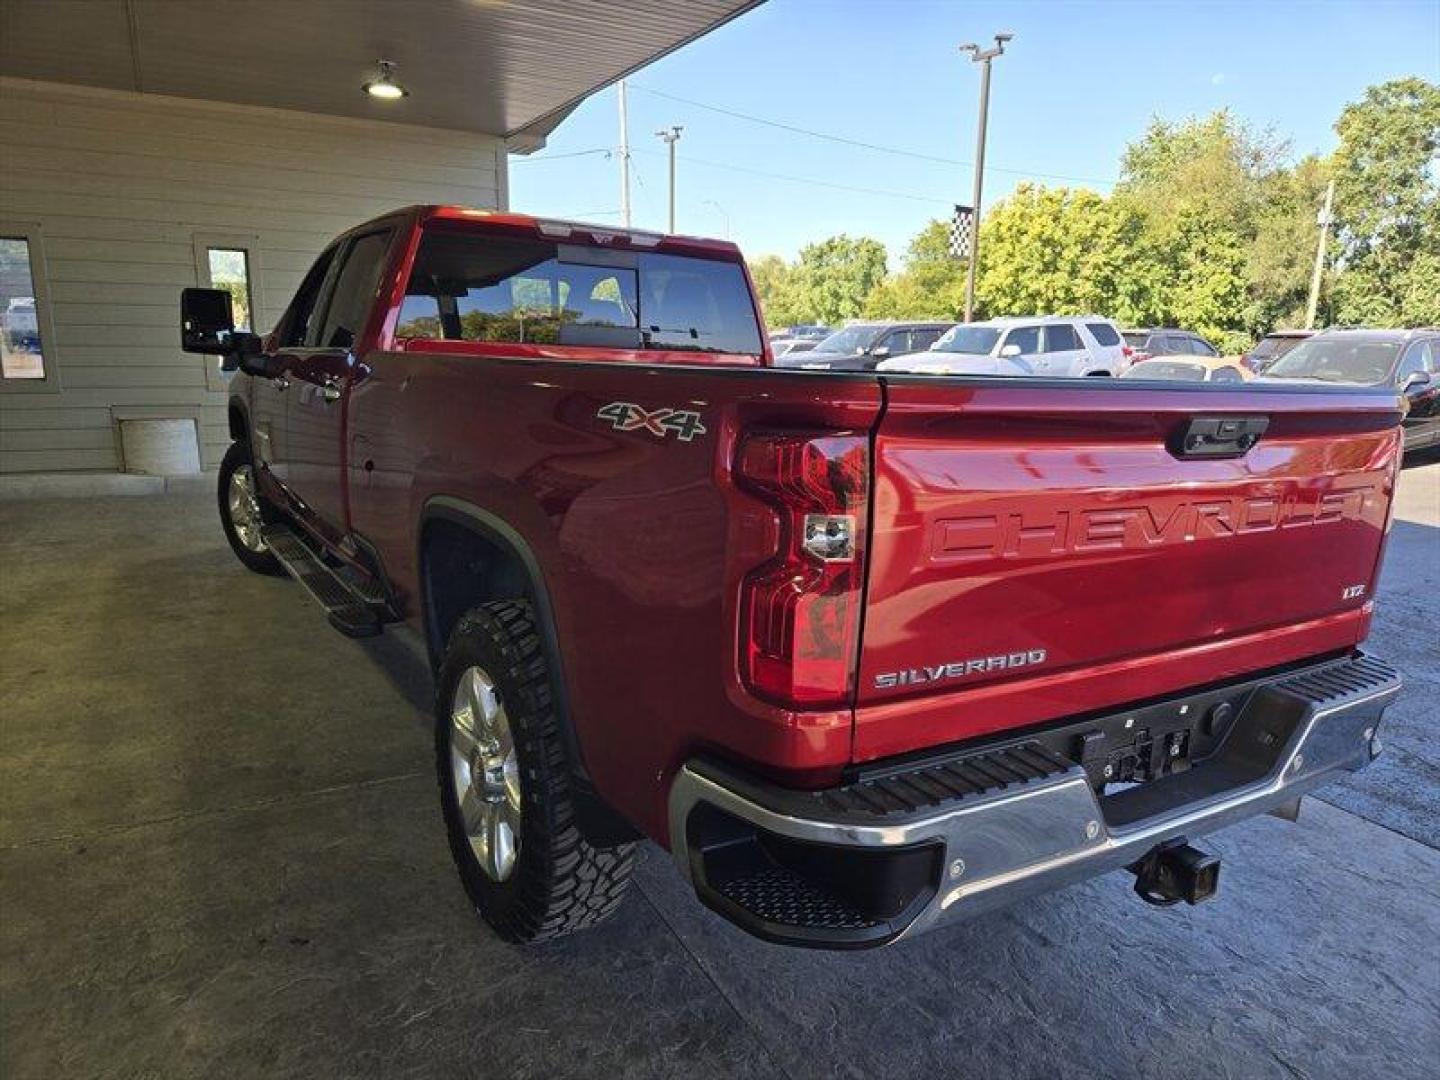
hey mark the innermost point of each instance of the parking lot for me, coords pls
(220, 857)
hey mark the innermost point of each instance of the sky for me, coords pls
(1078, 82)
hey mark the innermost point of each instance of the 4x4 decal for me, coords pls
(684, 424)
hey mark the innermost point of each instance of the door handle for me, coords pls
(282, 383)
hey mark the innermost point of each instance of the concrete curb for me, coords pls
(16, 486)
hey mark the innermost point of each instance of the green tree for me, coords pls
(1196, 195)
(835, 276)
(1387, 199)
(775, 286)
(1281, 254)
(931, 286)
(1053, 251)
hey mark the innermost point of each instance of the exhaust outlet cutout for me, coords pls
(1176, 871)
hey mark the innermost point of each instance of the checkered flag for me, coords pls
(962, 229)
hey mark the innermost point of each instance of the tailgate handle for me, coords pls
(1219, 436)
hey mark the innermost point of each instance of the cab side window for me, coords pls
(1419, 357)
(354, 291)
(898, 342)
(303, 315)
(920, 340)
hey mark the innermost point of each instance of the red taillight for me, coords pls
(1128, 351)
(800, 612)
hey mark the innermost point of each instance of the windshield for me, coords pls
(1339, 359)
(853, 339)
(1136, 341)
(975, 340)
(1166, 369)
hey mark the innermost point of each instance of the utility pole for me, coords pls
(671, 136)
(982, 57)
(1324, 222)
(624, 160)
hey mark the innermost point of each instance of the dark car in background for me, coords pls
(1408, 360)
(1147, 343)
(1272, 347)
(862, 345)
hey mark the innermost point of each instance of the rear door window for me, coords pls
(1061, 337)
(1027, 338)
(1200, 347)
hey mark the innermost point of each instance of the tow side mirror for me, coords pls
(207, 321)
(1415, 380)
(1009, 352)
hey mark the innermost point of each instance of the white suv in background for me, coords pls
(1050, 346)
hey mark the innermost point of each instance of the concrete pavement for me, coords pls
(219, 859)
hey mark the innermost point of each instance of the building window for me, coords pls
(230, 270)
(231, 261)
(22, 348)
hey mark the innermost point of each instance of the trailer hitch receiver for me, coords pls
(1176, 871)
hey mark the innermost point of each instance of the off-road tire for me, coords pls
(560, 882)
(262, 562)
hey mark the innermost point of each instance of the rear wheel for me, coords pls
(244, 511)
(505, 788)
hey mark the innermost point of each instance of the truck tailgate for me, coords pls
(1040, 550)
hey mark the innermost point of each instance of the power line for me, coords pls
(806, 180)
(517, 159)
(845, 140)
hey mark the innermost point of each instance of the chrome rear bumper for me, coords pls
(985, 848)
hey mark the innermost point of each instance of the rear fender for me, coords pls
(600, 822)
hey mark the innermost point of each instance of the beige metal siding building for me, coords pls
(147, 145)
(122, 198)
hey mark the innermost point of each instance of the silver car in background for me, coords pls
(1050, 346)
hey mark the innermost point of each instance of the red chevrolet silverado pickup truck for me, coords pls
(866, 653)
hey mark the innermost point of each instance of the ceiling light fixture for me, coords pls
(385, 86)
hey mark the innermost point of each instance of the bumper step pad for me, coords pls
(779, 895)
(351, 607)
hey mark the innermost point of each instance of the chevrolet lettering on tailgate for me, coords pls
(1136, 528)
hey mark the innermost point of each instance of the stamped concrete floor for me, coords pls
(220, 855)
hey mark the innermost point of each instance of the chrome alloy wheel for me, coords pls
(486, 773)
(244, 506)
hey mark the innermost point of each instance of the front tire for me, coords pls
(243, 510)
(505, 788)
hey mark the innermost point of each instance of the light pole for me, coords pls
(624, 158)
(982, 57)
(671, 136)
